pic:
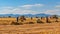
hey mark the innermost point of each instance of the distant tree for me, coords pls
(39, 21)
(17, 19)
(47, 20)
(31, 18)
(56, 17)
(9, 16)
(23, 18)
(41, 17)
(36, 17)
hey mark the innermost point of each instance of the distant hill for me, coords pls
(38, 15)
(27, 15)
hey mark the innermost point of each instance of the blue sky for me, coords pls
(29, 6)
(23, 2)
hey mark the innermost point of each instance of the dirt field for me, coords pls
(52, 28)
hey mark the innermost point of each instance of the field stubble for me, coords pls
(52, 28)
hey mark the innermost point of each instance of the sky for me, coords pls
(30, 7)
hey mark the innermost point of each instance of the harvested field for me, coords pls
(47, 28)
(22, 25)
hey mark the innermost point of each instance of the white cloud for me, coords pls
(22, 11)
(56, 10)
(25, 11)
(52, 12)
(19, 10)
(58, 6)
(30, 6)
(16, 11)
